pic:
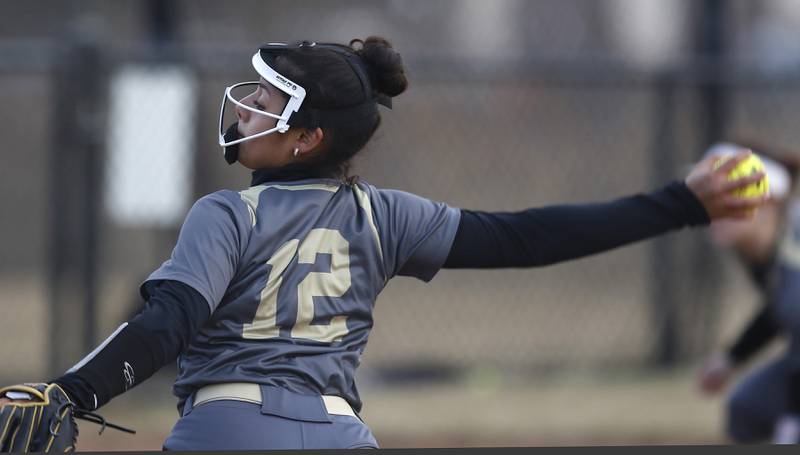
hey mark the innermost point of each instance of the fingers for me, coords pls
(732, 185)
(25, 428)
(731, 163)
(711, 387)
(7, 426)
(707, 380)
(738, 208)
(713, 377)
(18, 437)
(741, 215)
(736, 203)
(707, 162)
(706, 386)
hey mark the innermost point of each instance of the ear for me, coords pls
(309, 141)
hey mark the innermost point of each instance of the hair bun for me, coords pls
(384, 63)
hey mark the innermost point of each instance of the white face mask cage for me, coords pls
(296, 96)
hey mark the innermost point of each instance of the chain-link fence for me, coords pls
(106, 148)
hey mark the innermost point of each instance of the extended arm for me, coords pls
(542, 236)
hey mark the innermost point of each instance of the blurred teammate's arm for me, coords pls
(542, 236)
(173, 314)
(760, 331)
(720, 367)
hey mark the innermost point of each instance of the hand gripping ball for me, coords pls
(749, 166)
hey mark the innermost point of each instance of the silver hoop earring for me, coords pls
(296, 152)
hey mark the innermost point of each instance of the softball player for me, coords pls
(765, 405)
(266, 300)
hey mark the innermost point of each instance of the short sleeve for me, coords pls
(416, 233)
(209, 246)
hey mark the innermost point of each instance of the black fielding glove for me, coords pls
(41, 419)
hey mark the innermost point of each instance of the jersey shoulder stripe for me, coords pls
(251, 195)
(366, 205)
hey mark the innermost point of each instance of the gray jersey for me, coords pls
(291, 272)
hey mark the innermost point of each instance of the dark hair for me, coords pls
(331, 83)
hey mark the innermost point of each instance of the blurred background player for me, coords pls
(765, 405)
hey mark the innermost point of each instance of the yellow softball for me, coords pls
(751, 165)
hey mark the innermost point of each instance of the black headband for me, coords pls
(310, 117)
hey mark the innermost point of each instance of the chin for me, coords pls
(248, 165)
(245, 158)
(258, 156)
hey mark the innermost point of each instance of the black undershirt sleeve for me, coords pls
(174, 312)
(794, 393)
(762, 329)
(542, 236)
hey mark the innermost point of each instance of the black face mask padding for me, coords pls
(232, 151)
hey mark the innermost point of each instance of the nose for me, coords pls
(242, 113)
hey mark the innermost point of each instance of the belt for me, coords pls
(251, 393)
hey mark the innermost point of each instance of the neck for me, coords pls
(294, 171)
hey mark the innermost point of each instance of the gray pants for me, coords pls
(236, 425)
(757, 402)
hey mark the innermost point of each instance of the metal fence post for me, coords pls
(705, 279)
(663, 261)
(79, 89)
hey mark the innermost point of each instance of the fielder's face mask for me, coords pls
(292, 115)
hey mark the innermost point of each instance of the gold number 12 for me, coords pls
(331, 284)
